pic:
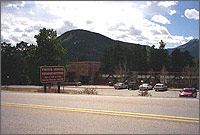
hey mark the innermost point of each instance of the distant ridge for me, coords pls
(192, 47)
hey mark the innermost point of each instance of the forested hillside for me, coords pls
(86, 45)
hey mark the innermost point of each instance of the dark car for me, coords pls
(188, 92)
(132, 86)
(110, 84)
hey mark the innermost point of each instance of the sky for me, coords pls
(140, 22)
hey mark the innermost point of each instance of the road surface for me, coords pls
(51, 113)
(108, 90)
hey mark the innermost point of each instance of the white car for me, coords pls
(145, 86)
(120, 86)
(160, 86)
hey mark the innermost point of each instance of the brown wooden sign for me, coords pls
(52, 74)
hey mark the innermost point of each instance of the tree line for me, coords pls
(142, 59)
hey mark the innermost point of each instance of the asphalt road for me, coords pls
(51, 113)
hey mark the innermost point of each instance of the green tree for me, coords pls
(158, 58)
(188, 59)
(138, 59)
(134, 57)
(107, 60)
(8, 64)
(32, 65)
(162, 45)
(13, 63)
(50, 50)
(179, 60)
(21, 52)
(16, 65)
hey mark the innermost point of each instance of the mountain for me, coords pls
(192, 46)
(86, 45)
(83, 45)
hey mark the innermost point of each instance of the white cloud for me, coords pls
(89, 22)
(171, 12)
(15, 4)
(14, 27)
(189, 38)
(117, 20)
(155, 8)
(67, 26)
(18, 30)
(134, 31)
(148, 3)
(31, 12)
(167, 4)
(160, 19)
(192, 14)
(143, 6)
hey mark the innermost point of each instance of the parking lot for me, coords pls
(107, 90)
(110, 91)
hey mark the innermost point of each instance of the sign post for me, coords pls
(45, 88)
(50, 74)
(58, 87)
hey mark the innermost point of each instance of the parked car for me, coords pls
(120, 86)
(160, 87)
(145, 86)
(132, 86)
(78, 84)
(188, 92)
(110, 84)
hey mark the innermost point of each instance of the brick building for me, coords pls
(88, 72)
(85, 72)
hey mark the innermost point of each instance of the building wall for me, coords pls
(172, 79)
(83, 71)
